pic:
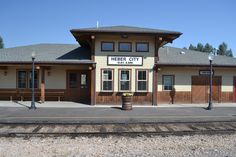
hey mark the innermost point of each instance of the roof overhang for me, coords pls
(193, 65)
(48, 63)
(84, 36)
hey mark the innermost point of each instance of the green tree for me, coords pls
(1, 43)
(191, 47)
(200, 47)
(223, 50)
(208, 48)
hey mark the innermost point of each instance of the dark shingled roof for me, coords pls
(177, 56)
(46, 53)
(125, 29)
(74, 54)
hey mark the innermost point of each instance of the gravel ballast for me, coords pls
(197, 145)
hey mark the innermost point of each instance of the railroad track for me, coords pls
(186, 128)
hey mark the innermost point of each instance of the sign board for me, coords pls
(206, 72)
(125, 60)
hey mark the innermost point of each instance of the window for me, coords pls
(24, 79)
(107, 46)
(168, 82)
(142, 80)
(107, 80)
(83, 81)
(73, 80)
(124, 78)
(125, 46)
(142, 47)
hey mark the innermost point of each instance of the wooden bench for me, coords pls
(26, 94)
(5, 94)
(50, 95)
(23, 95)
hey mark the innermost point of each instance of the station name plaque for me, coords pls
(125, 60)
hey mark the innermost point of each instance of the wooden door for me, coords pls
(84, 86)
(78, 86)
(234, 88)
(216, 84)
(201, 89)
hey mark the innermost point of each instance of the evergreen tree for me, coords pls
(223, 50)
(1, 43)
(208, 48)
(200, 47)
(191, 47)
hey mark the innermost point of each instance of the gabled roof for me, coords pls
(46, 53)
(170, 56)
(125, 29)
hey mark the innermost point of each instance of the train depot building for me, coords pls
(109, 61)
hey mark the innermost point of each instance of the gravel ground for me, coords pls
(198, 145)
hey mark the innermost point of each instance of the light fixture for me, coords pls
(124, 36)
(33, 55)
(210, 57)
(92, 36)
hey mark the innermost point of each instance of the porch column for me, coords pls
(155, 84)
(42, 84)
(158, 43)
(93, 85)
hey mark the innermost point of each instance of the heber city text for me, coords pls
(124, 60)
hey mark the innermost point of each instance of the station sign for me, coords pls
(125, 60)
(206, 72)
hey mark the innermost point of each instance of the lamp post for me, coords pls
(32, 81)
(210, 58)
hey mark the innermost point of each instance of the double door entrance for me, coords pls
(78, 86)
(201, 90)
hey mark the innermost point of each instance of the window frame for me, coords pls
(113, 47)
(27, 78)
(101, 77)
(119, 80)
(173, 82)
(136, 46)
(124, 43)
(17, 79)
(76, 84)
(147, 80)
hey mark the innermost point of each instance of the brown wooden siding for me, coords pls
(179, 97)
(25, 94)
(200, 89)
(227, 97)
(114, 98)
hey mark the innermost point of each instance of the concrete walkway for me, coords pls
(66, 104)
(78, 113)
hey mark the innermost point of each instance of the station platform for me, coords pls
(69, 112)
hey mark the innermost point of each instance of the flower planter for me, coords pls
(127, 102)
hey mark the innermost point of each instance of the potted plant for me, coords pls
(127, 101)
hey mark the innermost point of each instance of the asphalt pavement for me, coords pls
(89, 115)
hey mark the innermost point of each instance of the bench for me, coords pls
(52, 95)
(26, 94)
(7, 94)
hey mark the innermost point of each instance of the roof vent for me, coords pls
(182, 52)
